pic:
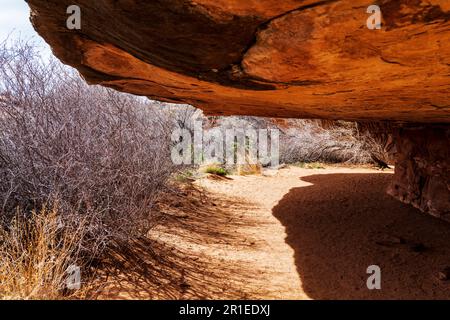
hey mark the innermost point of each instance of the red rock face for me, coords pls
(289, 58)
(422, 171)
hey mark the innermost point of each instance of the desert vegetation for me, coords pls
(83, 166)
(310, 141)
(86, 157)
(341, 142)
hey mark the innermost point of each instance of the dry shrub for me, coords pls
(103, 157)
(310, 141)
(378, 138)
(313, 140)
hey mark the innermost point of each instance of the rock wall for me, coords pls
(422, 169)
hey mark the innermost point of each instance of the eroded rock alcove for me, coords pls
(290, 58)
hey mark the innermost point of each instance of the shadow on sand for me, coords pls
(343, 223)
(155, 268)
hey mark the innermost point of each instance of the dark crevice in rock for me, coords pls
(390, 61)
(332, 93)
(301, 8)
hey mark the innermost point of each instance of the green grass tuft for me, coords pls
(217, 170)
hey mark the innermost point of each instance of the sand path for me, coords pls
(296, 234)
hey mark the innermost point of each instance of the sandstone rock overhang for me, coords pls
(277, 58)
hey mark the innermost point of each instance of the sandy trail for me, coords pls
(291, 234)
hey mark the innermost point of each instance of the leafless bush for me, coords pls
(378, 138)
(309, 141)
(99, 155)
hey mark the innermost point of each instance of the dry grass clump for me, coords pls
(36, 252)
(248, 169)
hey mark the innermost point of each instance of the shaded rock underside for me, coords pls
(291, 58)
